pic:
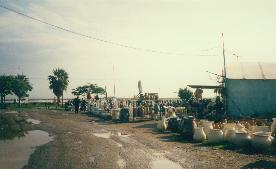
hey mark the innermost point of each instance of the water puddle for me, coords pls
(15, 153)
(108, 134)
(103, 135)
(34, 121)
(121, 163)
(164, 163)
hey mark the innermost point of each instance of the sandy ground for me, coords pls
(82, 141)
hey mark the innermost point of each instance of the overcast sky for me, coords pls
(177, 26)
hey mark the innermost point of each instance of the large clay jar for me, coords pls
(207, 126)
(162, 125)
(262, 140)
(115, 114)
(199, 134)
(242, 138)
(187, 126)
(256, 129)
(215, 136)
(273, 126)
(229, 135)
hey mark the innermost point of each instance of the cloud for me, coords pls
(168, 25)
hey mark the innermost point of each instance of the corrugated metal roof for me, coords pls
(253, 70)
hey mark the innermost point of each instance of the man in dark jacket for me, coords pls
(76, 103)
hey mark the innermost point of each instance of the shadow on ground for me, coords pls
(260, 164)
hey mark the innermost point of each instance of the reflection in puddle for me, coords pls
(15, 153)
(12, 125)
(163, 163)
(34, 121)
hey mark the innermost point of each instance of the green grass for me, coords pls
(51, 106)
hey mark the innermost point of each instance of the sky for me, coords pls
(187, 31)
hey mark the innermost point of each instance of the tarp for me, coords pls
(251, 70)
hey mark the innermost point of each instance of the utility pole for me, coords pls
(224, 78)
(114, 81)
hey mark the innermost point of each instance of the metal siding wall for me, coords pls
(248, 97)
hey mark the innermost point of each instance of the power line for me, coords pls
(94, 38)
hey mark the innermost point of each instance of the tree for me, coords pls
(21, 86)
(5, 86)
(81, 90)
(185, 95)
(59, 82)
(90, 88)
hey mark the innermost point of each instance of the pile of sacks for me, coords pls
(260, 137)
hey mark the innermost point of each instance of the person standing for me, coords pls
(76, 103)
(83, 105)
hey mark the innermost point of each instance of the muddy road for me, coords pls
(84, 142)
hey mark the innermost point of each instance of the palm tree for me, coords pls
(5, 86)
(59, 82)
(21, 86)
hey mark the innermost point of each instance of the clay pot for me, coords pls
(115, 113)
(256, 129)
(229, 135)
(162, 124)
(273, 126)
(215, 136)
(207, 126)
(242, 138)
(199, 134)
(262, 140)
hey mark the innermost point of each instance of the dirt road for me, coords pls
(82, 141)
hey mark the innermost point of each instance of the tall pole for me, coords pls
(223, 53)
(114, 81)
(224, 78)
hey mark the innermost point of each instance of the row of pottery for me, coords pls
(237, 134)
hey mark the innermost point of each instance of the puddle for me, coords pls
(103, 135)
(163, 163)
(15, 153)
(34, 121)
(121, 163)
(108, 134)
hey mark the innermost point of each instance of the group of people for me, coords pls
(77, 104)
